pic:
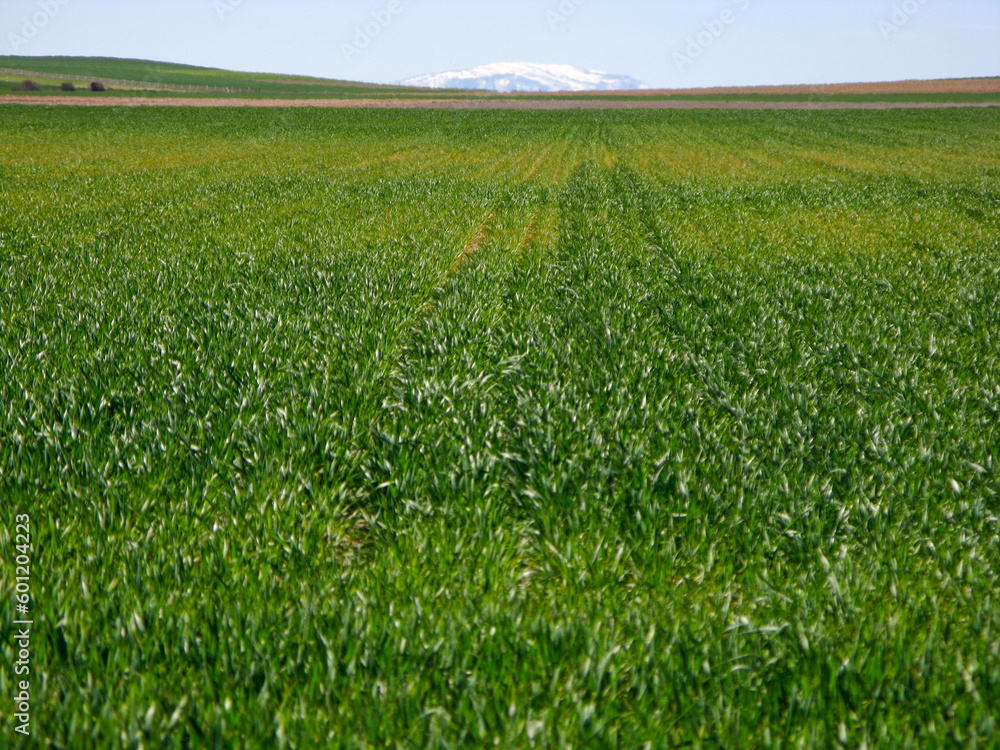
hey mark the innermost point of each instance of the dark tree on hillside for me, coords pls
(95, 86)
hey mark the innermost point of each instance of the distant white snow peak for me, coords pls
(506, 77)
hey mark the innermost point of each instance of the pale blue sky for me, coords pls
(665, 43)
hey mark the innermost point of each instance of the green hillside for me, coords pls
(150, 78)
(169, 75)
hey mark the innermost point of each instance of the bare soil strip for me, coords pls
(544, 104)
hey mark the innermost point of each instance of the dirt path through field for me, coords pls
(514, 104)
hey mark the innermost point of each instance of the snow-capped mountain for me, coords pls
(506, 77)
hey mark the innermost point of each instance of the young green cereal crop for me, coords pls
(523, 429)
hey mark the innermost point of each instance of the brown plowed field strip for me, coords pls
(548, 104)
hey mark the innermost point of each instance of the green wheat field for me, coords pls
(365, 429)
